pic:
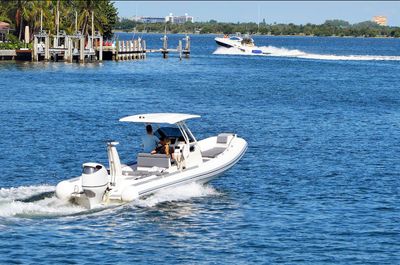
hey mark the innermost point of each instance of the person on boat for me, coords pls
(164, 148)
(149, 141)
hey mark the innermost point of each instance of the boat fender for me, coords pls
(129, 194)
(64, 190)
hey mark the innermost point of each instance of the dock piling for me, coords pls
(35, 56)
(69, 44)
(187, 46)
(81, 50)
(101, 49)
(47, 48)
(144, 49)
(180, 50)
(117, 51)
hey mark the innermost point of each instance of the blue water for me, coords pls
(319, 183)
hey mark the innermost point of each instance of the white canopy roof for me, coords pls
(170, 118)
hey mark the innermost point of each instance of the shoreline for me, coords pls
(296, 35)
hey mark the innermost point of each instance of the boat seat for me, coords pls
(213, 152)
(153, 160)
(222, 138)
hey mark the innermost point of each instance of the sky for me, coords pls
(298, 12)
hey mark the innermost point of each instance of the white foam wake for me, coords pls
(11, 203)
(23, 192)
(179, 193)
(283, 52)
(21, 201)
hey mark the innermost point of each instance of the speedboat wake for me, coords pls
(178, 193)
(34, 201)
(283, 52)
(40, 201)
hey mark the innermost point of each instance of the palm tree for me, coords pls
(19, 16)
(85, 12)
(67, 16)
(28, 12)
(33, 10)
(6, 11)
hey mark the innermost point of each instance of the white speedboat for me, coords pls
(244, 44)
(192, 161)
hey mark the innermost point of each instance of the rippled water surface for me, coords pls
(318, 184)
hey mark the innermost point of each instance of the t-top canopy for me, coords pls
(170, 118)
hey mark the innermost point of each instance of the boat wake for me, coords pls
(40, 201)
(179, 193)
(283, 52)
(34, 201)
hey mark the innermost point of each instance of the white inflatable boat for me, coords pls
(191, 161)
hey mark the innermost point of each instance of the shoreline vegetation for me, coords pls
(65, 15)
(330, 28)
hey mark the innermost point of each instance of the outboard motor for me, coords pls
(94, 182)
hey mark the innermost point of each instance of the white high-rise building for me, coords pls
(179, 19)
(169, 18)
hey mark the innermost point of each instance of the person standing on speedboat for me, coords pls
(149, 141)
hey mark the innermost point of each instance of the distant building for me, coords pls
(149, 19)
(170, 18)
(380, 20)
(178, 19)
(153, 20)
(136, 18)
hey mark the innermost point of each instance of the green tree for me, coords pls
(337, 23)
(27, 12)
(109, 20)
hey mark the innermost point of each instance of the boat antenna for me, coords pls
(92, 29)
(41, 20)
(76, 22)
(58, 19)
(258, 20)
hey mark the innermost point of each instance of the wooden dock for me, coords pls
(76, 47)
(80, 48)
(136, 49)
(8, 54)
(125, 50)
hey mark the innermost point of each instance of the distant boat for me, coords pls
(244, 44)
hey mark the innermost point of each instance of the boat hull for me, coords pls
(131, 187)
(223, 44)
(245, 48)
(204, 173)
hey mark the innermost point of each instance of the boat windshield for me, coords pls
(234, 38)
(247, 41)
(172, 133)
